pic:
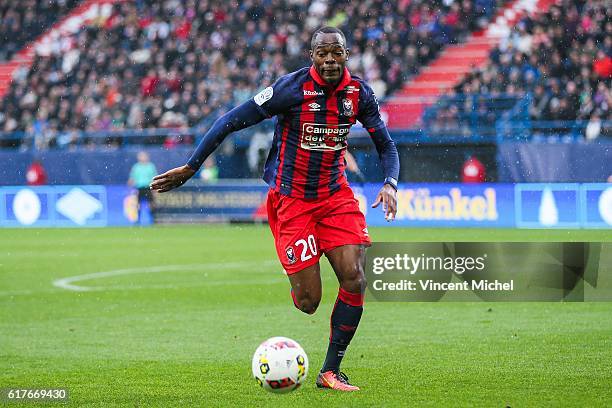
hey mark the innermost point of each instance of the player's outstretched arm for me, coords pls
(243, 116)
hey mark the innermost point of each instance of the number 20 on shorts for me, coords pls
(308, 247)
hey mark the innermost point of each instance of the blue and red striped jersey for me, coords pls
(310, 137)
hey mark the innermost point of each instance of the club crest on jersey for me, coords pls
(290, 255)
(347, 104)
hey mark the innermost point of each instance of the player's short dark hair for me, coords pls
(326, 30)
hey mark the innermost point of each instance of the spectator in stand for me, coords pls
(561, 58)
(539, 103)
(22, 21)
(197, 58)
(593, 129)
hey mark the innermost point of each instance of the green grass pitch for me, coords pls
(177, 326)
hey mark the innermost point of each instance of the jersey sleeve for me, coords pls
(238, 118)
(277, 98)
(369, 112)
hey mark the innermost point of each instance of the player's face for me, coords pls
(329, 57)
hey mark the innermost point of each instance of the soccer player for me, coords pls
(311, 209)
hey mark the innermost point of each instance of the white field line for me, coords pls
(68, 282)
(23, 292)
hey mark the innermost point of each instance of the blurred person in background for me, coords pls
(260, 144)
(141, 175)
(353, 167)
(593, 128)
(473, 171)
(210, 172)
(36, 174)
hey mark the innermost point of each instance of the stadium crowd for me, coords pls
(561, 59)
(180, 63)
(22, 21)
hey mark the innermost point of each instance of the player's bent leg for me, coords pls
(348, 262)
(306, 288)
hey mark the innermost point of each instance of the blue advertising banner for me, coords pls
(486, 205)
(444, 205)
(67, 206)
(596, 205)
(121, 205)
(26, 206)
(213, 202)
(548, 206)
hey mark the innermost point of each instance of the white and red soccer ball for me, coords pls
(280, 365)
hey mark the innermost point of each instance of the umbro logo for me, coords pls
(314, 107)
(313, 93)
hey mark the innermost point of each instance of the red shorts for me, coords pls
(305, 229)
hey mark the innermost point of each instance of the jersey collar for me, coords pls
(346, 79)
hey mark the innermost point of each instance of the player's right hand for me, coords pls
(172, 179)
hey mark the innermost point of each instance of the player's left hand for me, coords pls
(388, 197)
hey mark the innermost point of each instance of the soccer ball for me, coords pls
(280, 365)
